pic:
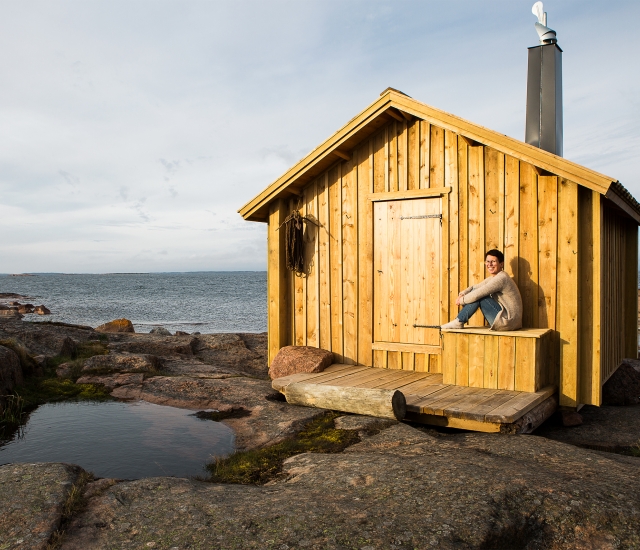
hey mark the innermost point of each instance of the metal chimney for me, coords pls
(544, 89)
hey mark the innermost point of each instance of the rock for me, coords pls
(623, 387)
(155, 344)
(10, 312)
(46, 339)
(402, 488)
(114, 381)
(118, 325)
(362, 423)
(120, 362)
(42, 310)
(296, 359)
(160, 331)
(26, 308)
(570, 418)
(41, 361)
(181, 333)
(64, 370)
(244, 352)
(605, 428)
(10, 372)
(32, 497)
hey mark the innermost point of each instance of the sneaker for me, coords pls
(453, 324)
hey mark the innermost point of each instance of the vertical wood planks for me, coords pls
(413, 152)
(586, 289)
(528, 265)
(350, 261)
(476, 223)
(547, 249)
(425, 155)
(278, 310)
(335, 257)
(365, 255)
(506, 362)
(463, 215)
(512, 217)
(311, 264)
(490, 375)
(494, 194)
(596, 231)
(524, 371)
(300, 317)
(402, 143)
(436, 166)
(451, 180)
(381, 271)
(631, 290)
(476, 360)
(324, 262)
(392, 168)
(462, 359)
(448, 358)
(567, 289)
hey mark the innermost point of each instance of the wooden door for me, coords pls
(406, 264)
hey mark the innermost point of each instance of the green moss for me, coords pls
(38, 390)
(259, 466)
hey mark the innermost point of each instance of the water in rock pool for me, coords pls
(120, 440)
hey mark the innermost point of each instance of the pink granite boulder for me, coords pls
(296, 359)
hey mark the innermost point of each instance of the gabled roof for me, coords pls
(391, 105)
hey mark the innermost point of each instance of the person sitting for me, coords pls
(497, 297)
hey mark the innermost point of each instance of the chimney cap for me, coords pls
(546, 35)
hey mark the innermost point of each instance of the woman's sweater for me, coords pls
(504, 291)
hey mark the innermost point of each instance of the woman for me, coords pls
(497, 297)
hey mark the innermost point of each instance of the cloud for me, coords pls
(126, 130)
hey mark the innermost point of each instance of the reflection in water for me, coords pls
(120, 440)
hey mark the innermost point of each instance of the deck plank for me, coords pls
(396, 382)
(463, 409)
(392, 375)
(318, 377)
(352, 380)
(441, 407)
(480, 409)
(414, 387)
(512, 410)
(426, 402)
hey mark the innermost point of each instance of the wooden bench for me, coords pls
(520, 360)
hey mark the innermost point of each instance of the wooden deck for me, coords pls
(430, 401)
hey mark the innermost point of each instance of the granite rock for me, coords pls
(117, 325)
(297, 359)
(121, 362)
(32, 497)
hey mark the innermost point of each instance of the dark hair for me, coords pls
(496, 254)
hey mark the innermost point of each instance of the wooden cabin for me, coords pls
(406, 199)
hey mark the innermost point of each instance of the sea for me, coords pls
(205, 302)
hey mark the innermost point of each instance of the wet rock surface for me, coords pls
(32, 497)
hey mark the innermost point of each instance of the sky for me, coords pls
(132, 131)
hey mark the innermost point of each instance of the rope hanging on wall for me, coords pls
(294, 240)
(294, 244)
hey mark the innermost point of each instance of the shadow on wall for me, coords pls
(534, 303)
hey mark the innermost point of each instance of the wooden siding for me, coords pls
(547, 226)
(618, 308)
(480, 358)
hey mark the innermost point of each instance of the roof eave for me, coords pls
(255, 209)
